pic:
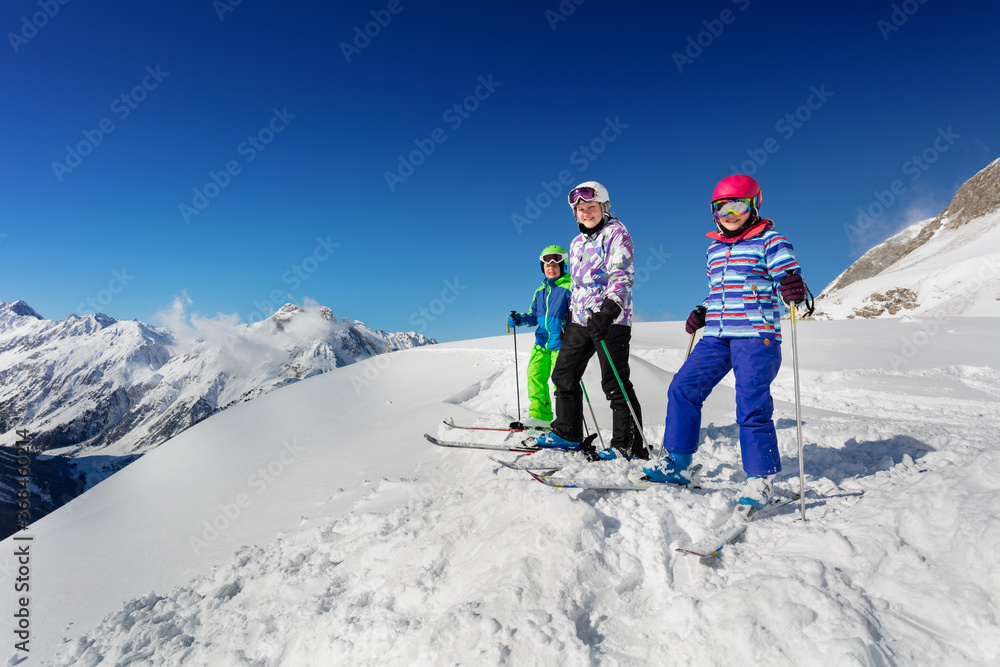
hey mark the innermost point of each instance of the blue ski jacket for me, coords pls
(549, 311)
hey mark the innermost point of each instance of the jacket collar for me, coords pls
(561, 281)
(591, 233)
(753, 230)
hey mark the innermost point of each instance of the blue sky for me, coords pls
(254, 153)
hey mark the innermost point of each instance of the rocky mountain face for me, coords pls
(95, 393)
(946, 266)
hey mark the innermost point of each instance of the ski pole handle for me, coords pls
(702, 310)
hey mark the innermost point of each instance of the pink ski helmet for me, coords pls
(738, 186)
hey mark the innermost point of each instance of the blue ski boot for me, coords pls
(552, 441)
(758, 491)
(610, 454)
(673, 469)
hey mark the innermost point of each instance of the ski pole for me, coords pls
(798, 411)
(627, 401)
(592, 415)
(517, 378)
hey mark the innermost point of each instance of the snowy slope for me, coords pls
(314, 526)
(944, 267)
(956, 272)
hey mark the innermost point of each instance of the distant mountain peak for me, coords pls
(20, 308)
(943, 266)
(90, 384)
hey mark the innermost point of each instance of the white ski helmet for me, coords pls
(590, 191)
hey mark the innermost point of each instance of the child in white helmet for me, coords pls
(600, 315)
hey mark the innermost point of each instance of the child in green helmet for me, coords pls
(549, 312)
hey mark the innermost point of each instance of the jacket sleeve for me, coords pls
(530, 318)
(779, 257)
(621, 271)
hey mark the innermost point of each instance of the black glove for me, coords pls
(793, 289)
(600, 322)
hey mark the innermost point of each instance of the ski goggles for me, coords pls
(582, 194)
(553, 258)
(735, 206)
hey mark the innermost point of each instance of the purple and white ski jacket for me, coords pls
(600, 266)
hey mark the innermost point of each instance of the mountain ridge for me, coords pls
(92, 388)
(920, 269)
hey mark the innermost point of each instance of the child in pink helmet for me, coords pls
(749, 266)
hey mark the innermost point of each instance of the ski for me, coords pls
(527, 429)
(530, 464)
(633, 485)
(713, 543)
(479, 445)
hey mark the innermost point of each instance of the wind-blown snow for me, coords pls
(315, 526)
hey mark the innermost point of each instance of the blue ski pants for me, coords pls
(755, 363)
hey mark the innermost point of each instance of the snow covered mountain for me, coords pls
(314, 525)
(104, 391)
(944, 267)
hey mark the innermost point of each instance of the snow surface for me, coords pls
(315, 526)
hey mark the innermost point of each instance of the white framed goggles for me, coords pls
(553, 258)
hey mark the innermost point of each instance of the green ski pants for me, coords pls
(539, 369)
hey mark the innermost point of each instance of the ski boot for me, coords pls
(551, 440)
(673, 469)
(756, 495)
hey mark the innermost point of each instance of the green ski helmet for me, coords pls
(555, 250)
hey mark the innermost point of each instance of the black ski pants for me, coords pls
(574, 354)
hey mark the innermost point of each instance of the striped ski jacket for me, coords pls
(743, 275)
